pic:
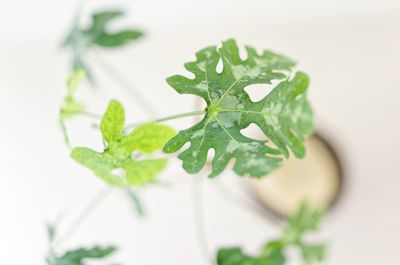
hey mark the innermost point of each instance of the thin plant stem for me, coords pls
(90, 115)
(199, 218)
(93, 203)
(127, 85)
(168, 118)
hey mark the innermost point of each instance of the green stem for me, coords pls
(168, 118)
(248, 205)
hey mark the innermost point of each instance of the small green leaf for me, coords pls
(70, 106)
(284, 115)
(115, 165)
(78, 256)
(235, 256)
(102, 37)
(304, 220)
(81, 39)
(148, 138)
(313, 253)
(113, 122)
(51, 232)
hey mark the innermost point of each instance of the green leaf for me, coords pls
(284, 115)
(273, 253)
(116, 165)
(112, 123)
(136, 203)
(70, 106)
(78, 256)
(313, 253)
(148, 138)
(102, 37)
(235, 256)
(81, 39)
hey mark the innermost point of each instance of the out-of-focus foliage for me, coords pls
(302, 222)
(80, 255)
(81, 39)
(70, 106)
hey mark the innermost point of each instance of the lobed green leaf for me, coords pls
(284, 115)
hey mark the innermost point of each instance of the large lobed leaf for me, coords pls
(115, 164)
(284, 115)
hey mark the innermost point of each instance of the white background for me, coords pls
(349, 48)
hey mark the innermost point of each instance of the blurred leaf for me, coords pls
(80, 39)
(304, 220)
(112, 123)
(284, 115)
(235, 256)
(148, 138)
(70, 106)
(313, 253)
(78, 256)
(115, 164)
(100, 36)
(273, 253)
(51, 232)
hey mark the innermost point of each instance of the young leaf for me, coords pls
(70, 106)
(284, 115)
(115, 164)
(51, 232)
(304, 220)
(313, 253)
(112, 123)
(78, 256)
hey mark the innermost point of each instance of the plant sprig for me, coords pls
(304, 221)
(80, 39)
(115, 165)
